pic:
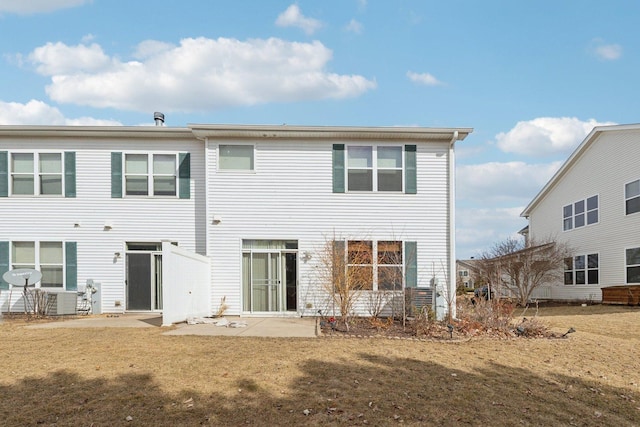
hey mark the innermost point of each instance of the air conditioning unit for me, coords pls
(419, 297)
(61, 303)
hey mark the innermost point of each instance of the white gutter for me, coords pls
(452, 222)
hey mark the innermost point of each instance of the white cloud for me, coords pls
(496, 182)
(423, 78)
(39, 113)
(293, 17)
(354, 27)
(198, 75)
(477, 229)
(58, 58)
(604, 51)
(546, 136)
(26, 7)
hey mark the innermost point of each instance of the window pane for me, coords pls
(579, 220)
(391, 253)
(632, 189)
(50, 184)
(360, 157)
(164, 164)
(23, 253)
(568, 278)
(360, 180)
(164, 185)
(633, 205)
(51, 252)
(390, 157)
(592, 261)
(567, 211)
(568, 224)
(633, 256)
(22, 163)
(52, 276)
(390, 180)
(580, 277)
(592, 277)
(22, 184)
(579, 207)
(136, 163)
(50, 163)
(633, 274)
(236, 157)
(592, 203)
(360, 277)
(592, 217)
(360, 252)
(568, 263)
(389, 278)
(580, 262)
(137, 186)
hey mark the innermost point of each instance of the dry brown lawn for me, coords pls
(100, 377)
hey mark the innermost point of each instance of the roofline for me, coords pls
(333, 132)
(573, 158)
(95, 131)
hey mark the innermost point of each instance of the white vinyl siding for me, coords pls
(132, 219)
(607, 165)
(277, 202)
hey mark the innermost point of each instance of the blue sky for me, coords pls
(532, 78)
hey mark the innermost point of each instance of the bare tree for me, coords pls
(510, 265)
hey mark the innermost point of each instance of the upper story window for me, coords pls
(154, 174)
(633, 265)
(375, 168)
(581, 270)
(150, 174)
(236, 157)
(37, 174)
(463, 273)
(632, 197)
(581, 213)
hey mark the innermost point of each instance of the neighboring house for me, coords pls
(593, 204)
(467, 270)
(178, 220)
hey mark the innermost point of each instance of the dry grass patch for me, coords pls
(99, 377)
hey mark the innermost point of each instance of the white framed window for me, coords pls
(47, 257)
(580, 213)
(238, 157)
(582, 270)
(633, 265)
(150, 174)
(463, 273)
(632, 197)
(375, 265)
(375, 168)
(36, 174)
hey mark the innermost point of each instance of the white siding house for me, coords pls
(256, 205)
(593, 204)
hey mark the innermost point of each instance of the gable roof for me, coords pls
(573, 159)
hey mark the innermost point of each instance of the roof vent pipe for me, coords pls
(159, 118)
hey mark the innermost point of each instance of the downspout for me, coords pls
(452, 223)
(207, 209)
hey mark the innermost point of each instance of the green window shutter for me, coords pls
(338, 168)
(184, 175)
(4, 263)
(4, 173)
(116, 175)
(69, 174)
(71, 265)
(338, 261)
(411, 264)
(410, 175)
